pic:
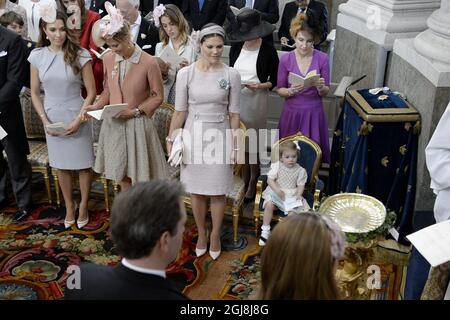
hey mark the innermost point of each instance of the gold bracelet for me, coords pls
(82, 118)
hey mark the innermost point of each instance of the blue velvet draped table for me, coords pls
(374, 152)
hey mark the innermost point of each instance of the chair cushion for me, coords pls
(174, 172)
(236, 196)
(307, 158)
(161, 120)
(38, 156)
(96, 126)
(32, 121)
(95, 147)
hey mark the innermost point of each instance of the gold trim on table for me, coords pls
(367, 113)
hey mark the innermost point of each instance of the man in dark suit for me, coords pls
(144, 33)
(147, 226)
(268, 10)
(318, 13)
(147, 6)
(201, 12)
(15, 144)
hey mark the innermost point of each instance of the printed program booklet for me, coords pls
(108, 111)
(433, 242)
(306, 81)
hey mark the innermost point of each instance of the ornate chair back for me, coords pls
(161, 119)
(32, 121)
(310, 158)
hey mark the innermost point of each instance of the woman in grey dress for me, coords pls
(207, 166)
(62, 67)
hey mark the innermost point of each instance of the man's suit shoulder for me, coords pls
(317, 5)
(94, 271)
(9, 35)
(291, 5)
(102, 282)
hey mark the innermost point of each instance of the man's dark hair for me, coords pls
(142, 213)
(11, 17)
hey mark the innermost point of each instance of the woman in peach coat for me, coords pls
(129, 150)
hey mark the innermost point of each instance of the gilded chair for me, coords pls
(161, 120)
(234, 199)
(310, 159)
(38, 156)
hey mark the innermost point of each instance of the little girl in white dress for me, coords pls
(286, 179)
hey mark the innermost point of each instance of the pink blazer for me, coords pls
(141, 87)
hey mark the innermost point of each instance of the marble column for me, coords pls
(333, 13)
(420, 68)
(366, 31)
(434, 43)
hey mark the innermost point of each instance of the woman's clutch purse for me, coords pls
(176, 155)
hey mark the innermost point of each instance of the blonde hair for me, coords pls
(124, 33)
(301, 23)
(287, 145)
(297, 262)
(175, 16)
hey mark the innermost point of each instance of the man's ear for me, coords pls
(164, 241)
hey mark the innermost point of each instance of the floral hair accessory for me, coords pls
(194, 41)
(47, 12)
(157, 13)
(337, 238)
(114, 24)
(74, 19)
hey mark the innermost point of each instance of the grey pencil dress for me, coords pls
(62, 103)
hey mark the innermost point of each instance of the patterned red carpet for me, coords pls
(35, 254)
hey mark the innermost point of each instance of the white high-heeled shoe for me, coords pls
(199, 252)
(69, 223)
(82, 223)
(214, 254)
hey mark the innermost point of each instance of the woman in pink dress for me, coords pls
(207, 108)
(303, 107)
